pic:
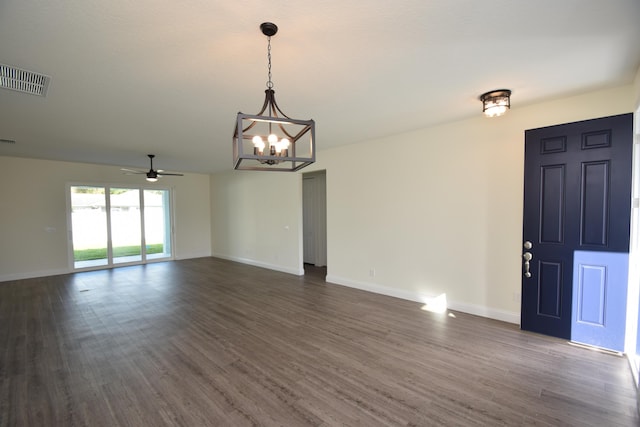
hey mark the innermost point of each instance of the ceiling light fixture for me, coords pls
(270, 140)
(496, 102)
(152, 174)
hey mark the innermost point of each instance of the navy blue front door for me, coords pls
(577, 204)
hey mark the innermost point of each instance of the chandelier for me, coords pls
(270, 140)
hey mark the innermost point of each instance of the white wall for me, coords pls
(33, 213)
(417, 215)
(257, 219)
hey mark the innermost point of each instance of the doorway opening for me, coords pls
(314, 219)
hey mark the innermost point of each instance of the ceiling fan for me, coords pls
(152, 174)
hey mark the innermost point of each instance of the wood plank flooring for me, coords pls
(208, 342)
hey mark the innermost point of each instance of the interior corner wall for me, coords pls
(432, 213)
(257, 219)
(636, 90)
(33, 213)
(438, 212)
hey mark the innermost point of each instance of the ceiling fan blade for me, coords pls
(132, 171)
(152, 175)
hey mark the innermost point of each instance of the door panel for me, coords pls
(577, 198)
(88, 212)
(157, 224)
(126, 235)
(599, 298)
(595, 203)
(308, 219)
(314, 216)
(552, 204)
(550, 298)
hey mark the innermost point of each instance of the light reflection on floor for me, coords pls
(436, 304)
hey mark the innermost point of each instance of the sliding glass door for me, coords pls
(119, 225)
(89, 226)
(157, 224)
(125, 225)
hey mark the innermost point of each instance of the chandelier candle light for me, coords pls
(270, 140)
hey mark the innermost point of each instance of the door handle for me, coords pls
(527, 257)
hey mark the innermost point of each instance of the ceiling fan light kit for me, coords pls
(152, 174)
(270, 140)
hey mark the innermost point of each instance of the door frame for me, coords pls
(632, 336)
(319, 200)
(110, 263)
(622, 200)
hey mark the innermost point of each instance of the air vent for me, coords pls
(7, 141)
(23, 81)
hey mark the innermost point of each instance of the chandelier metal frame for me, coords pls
(270, 140)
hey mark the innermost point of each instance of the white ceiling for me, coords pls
(166, 77)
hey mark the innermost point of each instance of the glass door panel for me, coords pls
(89, 225)
(157, 230)
(126, 235)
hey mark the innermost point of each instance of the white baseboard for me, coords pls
(193, 255)
(34, 274)
(255, 263)
(56, 272)
(502, 315)
(505, 316)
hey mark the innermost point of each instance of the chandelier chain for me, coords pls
(269, 83)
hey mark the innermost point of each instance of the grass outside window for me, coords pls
(121, 251)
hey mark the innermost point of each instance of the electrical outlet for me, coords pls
(372, 272)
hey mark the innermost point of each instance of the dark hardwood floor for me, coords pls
(210, 342)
